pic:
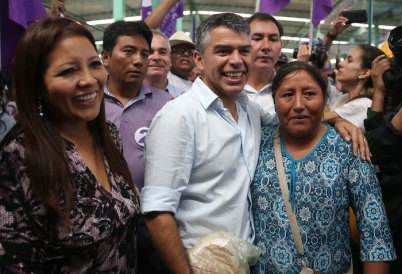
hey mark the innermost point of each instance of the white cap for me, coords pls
(180, 37)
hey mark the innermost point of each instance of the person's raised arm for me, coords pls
(56, 8)
(338, 25)
(166, 239)
(155, 18)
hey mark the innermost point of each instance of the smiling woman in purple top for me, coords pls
(67, 200)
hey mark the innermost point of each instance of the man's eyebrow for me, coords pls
(262, 34)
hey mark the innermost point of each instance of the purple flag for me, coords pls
(168, 26)
(25, 12)
(16, 16)
(146, 8)
(321, 8)
(272, 6)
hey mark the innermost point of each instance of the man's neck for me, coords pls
(259, 79)
(123, 91)
(159, 82)
(180, 74)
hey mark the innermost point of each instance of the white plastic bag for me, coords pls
(222, 253)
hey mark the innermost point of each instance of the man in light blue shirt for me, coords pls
(202, 148)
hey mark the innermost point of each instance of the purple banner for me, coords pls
(321, 8)
(168, 26)
(146, 8)
(272, 6)
(25, 12)
(16, 16)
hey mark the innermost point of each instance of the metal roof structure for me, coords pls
(386, 13)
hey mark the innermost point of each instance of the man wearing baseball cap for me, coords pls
(182, 49)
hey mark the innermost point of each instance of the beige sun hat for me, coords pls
(179, 37)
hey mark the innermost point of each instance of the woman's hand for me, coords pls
(304, 53)
(351, 132)
(338, 25)
(378, 67)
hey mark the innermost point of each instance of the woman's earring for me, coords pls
(360, 77)
(40, 109)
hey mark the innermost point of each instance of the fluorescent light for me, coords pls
(372, 26)
(109, 21)
(98, 42)
(133, 18)
(100, 22)
(286, 50)
(206, 12)
(294, 19)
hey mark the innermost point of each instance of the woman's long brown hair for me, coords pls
(45, 154)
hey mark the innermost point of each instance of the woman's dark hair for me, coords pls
(45, 154)
(294, 68)
(368, 54)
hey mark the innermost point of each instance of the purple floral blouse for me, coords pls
(102, 235)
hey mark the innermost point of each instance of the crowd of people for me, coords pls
(123, 161)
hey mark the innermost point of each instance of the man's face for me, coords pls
(266, 45)
(182, 59)
(225, 62)
(128, 62)
(159, 57)
(196, 72)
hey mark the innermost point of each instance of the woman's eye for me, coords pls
(67, 71)
(96, 64)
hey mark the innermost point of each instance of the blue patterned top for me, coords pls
(325, 182)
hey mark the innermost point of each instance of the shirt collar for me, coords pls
(207, 97)
(250, 88)
(144, 90)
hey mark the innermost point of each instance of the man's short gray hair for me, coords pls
(228, 20)
(156, 31)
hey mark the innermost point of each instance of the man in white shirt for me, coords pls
(266, 33)
(202, 148)
(182, 49)
(159, 64)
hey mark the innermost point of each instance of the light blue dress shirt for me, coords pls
(181, 83)
(173, 90)
(199, 163)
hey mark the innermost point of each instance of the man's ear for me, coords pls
(198, 60)
(105, 58)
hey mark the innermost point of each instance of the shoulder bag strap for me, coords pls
(285, 193)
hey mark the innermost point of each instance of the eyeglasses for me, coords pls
(181, 51)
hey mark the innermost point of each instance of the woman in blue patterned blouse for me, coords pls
(323, 178)
(67, 200)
